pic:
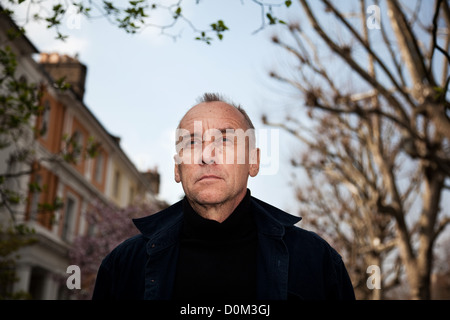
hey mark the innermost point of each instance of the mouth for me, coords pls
(209, 177)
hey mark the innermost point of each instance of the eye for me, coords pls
(194, 142)
(229, 140)
(222, 141)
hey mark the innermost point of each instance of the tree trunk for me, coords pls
(433, 184)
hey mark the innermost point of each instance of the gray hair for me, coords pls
(212, 97)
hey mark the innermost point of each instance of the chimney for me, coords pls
(153, 177)
(63, 66)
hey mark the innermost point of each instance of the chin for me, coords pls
(210, 196)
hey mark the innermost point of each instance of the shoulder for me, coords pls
(311, 244)
(317, 266)
(272, 214)
(121, 273)
(160, 221)
(150, 227)
(298, 239)
(128, 250)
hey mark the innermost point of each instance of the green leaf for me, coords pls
(288, 3)
(60, 36)
(272, 20)
(61, 84)
(109, 7)
(34, 187)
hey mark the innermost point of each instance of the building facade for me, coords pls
(68, 127)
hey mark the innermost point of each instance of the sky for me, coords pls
(139, 86)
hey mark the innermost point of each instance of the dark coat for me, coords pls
(292, 262)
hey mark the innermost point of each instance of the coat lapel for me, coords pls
(273, 255)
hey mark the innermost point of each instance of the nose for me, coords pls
(208, 154)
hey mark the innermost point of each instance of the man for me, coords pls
(219, 242)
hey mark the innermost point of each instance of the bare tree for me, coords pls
(377, 145)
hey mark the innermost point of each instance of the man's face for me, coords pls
(214, 170)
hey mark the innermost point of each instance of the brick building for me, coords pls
(110, 177)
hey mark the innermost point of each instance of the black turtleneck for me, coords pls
(217, 260)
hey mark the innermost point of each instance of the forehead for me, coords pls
(213, 114)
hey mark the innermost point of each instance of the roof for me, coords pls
(7, 23)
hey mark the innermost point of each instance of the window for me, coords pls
(131, 196)
(79, 138)
(43, 130)
(98, 169)
(69, 219)
(116, 185)
(35, 196)
(77, 146)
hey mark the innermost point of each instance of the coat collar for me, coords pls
(270, 220)
(159, 222)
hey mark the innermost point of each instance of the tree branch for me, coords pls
(409, 48)
(366, 46)
(346, 57)
(444, 222)
(434, 44)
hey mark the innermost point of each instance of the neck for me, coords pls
(217, 211)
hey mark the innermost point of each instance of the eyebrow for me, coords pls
(192, 135)
(196, 134)
(225, 130)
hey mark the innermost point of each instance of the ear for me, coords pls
(254, 162)
(177, 170)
